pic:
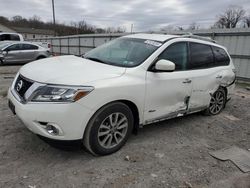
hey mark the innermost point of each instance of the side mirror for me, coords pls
(164, 65)
(4, 52)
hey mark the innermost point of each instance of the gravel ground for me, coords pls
(172, 153)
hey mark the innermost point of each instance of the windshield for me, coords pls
(124, 52)
(3, 45)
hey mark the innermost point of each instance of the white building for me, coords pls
(31, 33)
(6, 29)
(28, 33)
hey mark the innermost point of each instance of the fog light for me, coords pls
(52, 130)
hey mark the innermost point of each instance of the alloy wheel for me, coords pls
(217, 102)
(113, 130)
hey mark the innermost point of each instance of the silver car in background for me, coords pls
(21, 52)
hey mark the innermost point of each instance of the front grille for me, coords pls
(22, 85)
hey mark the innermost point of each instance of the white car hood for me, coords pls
(69, 70)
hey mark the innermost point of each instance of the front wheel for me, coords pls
(217, 102)
(109, 129)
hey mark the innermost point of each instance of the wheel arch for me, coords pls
(40, 57)
(132, 106)
(226, 92)
(135, 112)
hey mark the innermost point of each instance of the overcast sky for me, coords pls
(143, 14)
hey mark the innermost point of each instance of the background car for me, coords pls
(21, 52)
(11, 37)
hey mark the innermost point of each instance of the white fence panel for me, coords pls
(237, 41)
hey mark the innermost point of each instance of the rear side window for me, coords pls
(29, 47)
(178, 54)
(14, 37)
(220, 56)
(201, 56)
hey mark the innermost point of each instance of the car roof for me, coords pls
(9, 33)
(165, 37)
(156, 37)
(17, 42)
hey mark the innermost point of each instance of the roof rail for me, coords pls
(190, 35)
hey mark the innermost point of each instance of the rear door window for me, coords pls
(201, 56)
(14, 37)
(220, 56)
(29, 47)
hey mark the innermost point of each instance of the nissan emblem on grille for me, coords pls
(19, 85)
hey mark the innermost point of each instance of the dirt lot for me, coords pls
(173, 153)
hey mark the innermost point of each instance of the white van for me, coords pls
(11, 37)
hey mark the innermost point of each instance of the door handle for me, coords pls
(187, 81)
(218, 76)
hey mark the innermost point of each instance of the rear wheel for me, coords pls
(41, 57)
(109, 129)
(217, 102)
(1, 62)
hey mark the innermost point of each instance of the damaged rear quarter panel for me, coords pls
(206, 82)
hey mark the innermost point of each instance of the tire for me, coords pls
(109, 129)
(40, 57)
(1, 62)
(217, 102)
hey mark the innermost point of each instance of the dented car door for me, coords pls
(209, 71)
(168, 93)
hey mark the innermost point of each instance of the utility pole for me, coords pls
(54, 17)
(132, 28)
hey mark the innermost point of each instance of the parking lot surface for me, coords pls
(173, 153)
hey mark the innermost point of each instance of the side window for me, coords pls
(29, 47)
(220, 56)
(14, 37)
(14, 47)
(201, 56)
(4, 37)
(178, 54)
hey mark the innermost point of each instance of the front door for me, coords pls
(12, 54)
(168, 93)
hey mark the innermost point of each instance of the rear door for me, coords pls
(205, 75)
(29, 52)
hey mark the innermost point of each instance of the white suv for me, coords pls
(131, 81)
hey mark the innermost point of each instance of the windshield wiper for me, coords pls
(95, 59)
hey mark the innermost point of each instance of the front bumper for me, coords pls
(70, 118)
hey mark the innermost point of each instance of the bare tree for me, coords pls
(231, 17)
(169, 27)
(180, 28)
(247, 21)
(115, 30)
(193, 26)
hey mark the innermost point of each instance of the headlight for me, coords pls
(50, 93)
